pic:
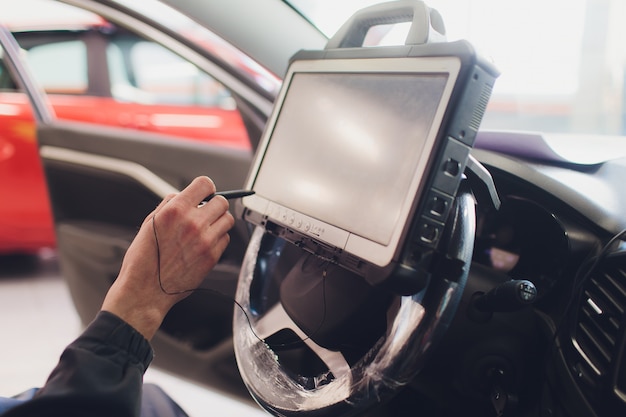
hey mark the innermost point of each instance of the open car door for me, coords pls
(102, 182)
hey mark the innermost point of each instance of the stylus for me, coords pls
(230, 195)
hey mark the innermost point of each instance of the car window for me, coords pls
(145, 72)
(206, 39)
(60, 67)
(6, 81)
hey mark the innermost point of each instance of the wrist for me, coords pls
(146, 318)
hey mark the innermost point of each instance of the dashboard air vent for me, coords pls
(600, 315)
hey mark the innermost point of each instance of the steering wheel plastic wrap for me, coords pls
(415, 324)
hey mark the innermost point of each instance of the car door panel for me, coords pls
(105, 177)
(102, 183)
(174, 162)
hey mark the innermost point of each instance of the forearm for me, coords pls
(99, 374)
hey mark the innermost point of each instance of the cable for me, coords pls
(191, 290)
(274, 346)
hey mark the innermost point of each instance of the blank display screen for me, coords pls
(345, 147)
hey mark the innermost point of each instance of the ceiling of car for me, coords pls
(263, 40)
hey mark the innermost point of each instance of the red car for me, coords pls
(95, 72)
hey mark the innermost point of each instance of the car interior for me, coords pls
(500, 289)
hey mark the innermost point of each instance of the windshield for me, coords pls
(563, 62)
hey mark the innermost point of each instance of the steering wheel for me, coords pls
(312, 339)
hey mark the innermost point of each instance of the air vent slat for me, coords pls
(618, 283)
(604, 324)
(596, 352)
(603, 331)
(601, 311)
(605, 294)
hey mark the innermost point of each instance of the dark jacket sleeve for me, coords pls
(99, 374)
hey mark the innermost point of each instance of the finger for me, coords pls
(222, 244)
(214, 233)
(160, 206)
(215, 208)
(166, 200)
(195, 192)
(217, 245)
(223, 223)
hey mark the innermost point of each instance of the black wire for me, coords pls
(158, 253)
(215, 292)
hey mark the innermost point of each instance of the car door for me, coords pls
(25, 219)
(102, 182)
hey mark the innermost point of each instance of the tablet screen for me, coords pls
(345, 147)
(347, 150)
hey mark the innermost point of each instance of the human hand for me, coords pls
(175, 248)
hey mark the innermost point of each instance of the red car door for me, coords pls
(25, 217)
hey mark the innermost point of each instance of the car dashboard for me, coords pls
(560, 226)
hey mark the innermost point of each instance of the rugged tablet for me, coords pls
(362, 157)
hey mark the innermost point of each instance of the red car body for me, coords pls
(25, 218)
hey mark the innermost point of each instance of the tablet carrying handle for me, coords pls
(426, 23)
